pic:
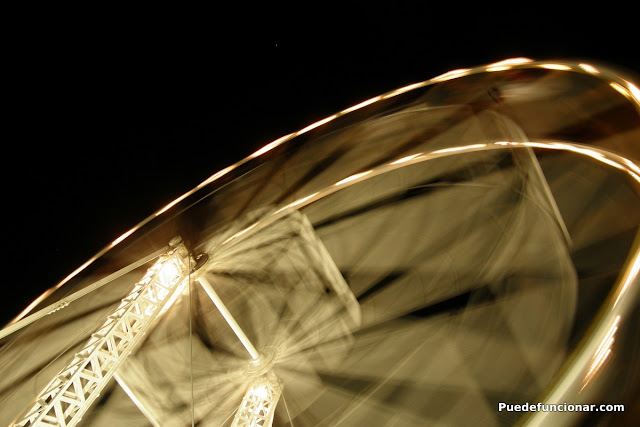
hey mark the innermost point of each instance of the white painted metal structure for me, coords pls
(72, 392)
(259, 403)
(456, 243)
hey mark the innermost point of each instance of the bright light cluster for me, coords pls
(67, 397)
(259, 403)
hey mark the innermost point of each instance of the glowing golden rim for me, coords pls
(626, 88)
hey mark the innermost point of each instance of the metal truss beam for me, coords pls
(70, 394)
(259, 403)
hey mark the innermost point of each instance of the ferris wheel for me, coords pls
(430, 256)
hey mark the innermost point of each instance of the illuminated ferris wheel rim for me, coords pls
(612, 77)
(588, 357)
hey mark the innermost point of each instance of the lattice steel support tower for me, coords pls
(74, 389)
(259, 403)
(70, 394)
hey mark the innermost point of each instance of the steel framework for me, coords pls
(259, 403)
(70, 394)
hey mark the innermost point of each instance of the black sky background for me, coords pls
(112, 114)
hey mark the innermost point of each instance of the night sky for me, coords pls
(113, 117)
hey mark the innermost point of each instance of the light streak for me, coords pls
(589, 68)
(454, 149)
(602, 352)
(405, 159)
(635, 92)
(270, 146)
(124, 236)
(216, 175)
(559, 67)
(453, 74)
(511, 61)
(403, 90)
(316, 124)
(498, 68)
(620, 89)
(361, 105)
(352, 178)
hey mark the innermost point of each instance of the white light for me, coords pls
(559, 67)
(511, 61)
(405, 159)
(170, 205)
(499, 68)
(301, 201)
(403, 90)
(352, 178)
(216, 176)
(464, 148)
(240, 233)
(124, 236)
(259, 403)
(93, 366)
(629, 278)
(453, 74)
(271, 145)
(620, 89)
(169, 273)
(635, 92)
(260, 392)
(316, 124)
(602, 352)
(589, 68)
(362, 104)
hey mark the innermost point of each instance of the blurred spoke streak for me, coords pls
(412, 260)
